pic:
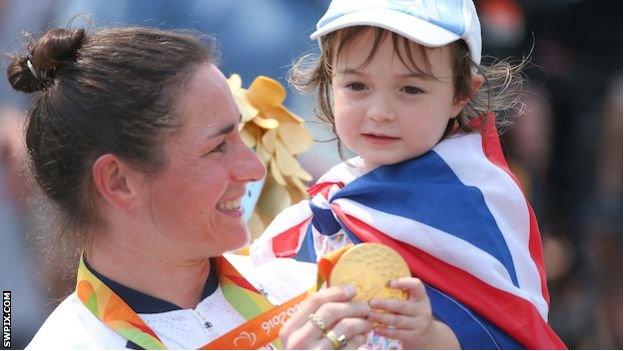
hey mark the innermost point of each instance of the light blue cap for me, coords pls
(431, 23)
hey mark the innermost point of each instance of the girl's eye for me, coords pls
(411, 90)
(356, 86)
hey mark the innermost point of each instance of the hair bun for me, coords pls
(46, 55)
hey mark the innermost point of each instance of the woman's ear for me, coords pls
(116, 181)
(476, 81)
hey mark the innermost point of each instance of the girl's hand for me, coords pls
(411, 320)
(334, 308)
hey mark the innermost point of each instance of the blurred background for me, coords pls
(567, 150)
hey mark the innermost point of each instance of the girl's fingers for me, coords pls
(414, 287)
(394, 320)
(407, 308)
(396, 333)
(417, 303)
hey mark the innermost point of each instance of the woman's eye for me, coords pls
(220, 148)
(411, 90)
(357, 86)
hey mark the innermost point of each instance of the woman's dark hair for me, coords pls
(106, 91)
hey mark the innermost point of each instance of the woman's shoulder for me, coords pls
(72, 326)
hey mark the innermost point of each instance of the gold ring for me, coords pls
(338, 342)
(318, 322)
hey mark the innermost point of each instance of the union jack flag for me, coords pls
(458, 217)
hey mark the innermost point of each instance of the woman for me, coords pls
(133, 137)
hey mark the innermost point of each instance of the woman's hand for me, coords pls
(334, 311)
(411, 320)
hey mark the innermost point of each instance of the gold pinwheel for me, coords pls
(277, 136)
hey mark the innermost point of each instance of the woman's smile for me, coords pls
(231, 207)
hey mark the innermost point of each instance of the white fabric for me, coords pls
(72, 326)
(261, 250)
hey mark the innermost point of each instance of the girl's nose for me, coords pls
(380, 110)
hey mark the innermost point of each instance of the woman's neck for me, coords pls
(179, 281)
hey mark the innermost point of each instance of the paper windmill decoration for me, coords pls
(277, 136)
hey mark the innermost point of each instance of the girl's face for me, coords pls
(383, 111)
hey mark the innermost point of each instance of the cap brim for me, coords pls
(411, 27)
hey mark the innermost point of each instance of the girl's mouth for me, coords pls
(379, 139)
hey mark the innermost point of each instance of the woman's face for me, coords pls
(195, 199)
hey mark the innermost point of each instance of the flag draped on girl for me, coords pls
(467, 231)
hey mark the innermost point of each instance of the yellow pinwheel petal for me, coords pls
(264, 155)
(275, 172)
(295, 137)
(287, 164)
(235, 82)
(295, 195)
(266, 123)
(248, 137)
(298, 185)
(277, 135)
(265, 93)
(303, 175)
(248, 112)
(255, 130)
(269, 139)
(283, 115)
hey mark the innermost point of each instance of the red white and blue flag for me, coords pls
(458, 217)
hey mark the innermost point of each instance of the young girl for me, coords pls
(401, 84)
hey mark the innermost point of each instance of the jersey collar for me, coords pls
(144, 303)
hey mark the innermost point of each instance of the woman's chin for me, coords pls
(239, 240)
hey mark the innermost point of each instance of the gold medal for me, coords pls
(370, 267)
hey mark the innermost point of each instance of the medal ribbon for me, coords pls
(263, 319)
